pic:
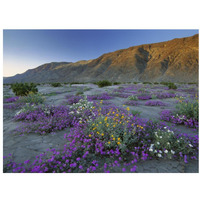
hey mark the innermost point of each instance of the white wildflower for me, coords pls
(160, 136)
(173, 152)
(165, 127)
(158, 143)
(159, 155)
(190, 145)
(166, 151)
(160, 151)
(150, 149)
(151, 146)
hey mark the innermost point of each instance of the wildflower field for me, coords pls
(83, 128)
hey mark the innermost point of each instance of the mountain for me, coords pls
(176, 60)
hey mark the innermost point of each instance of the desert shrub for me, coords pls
(116, 83)
(32, 99)
(172, 86)
(164, 83)
(189, 109)
(143, 90)
(135, 82)
(23, 89)
(153, 96)
(133, 98)
(135, 113)
(146, 83)
(104, 83)
(79, 93)
(166, 144)
(56, 84)
(87, 89)
(155, 83)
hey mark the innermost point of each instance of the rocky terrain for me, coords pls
(175, 60)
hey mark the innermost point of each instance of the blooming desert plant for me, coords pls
(154, 103)
(166, 144)
(32, 98)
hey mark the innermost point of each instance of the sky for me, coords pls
(27, 49)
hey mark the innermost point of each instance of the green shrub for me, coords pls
(56, 84)
(146, 83)
(32, 99)
(189, 109)
(153, 96)
(104, 83)
(135, 112)
(164, 83)
(79, 93)
(172, 86)
(155, 83)
(166, 144)
(87, 89)
(116, 83)
(134, 98)
(23, 89)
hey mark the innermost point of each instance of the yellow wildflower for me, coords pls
(127, 108)
(112, 135)
(102, 134)
(109, 142)
(118, 139)
(118, 142)
(113, 138)
(90, 135)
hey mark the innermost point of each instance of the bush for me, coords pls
(189, 109)
(134, 98)
(79, 93)
(135, 112)
(116, 83)
(23, 89)
(104, 83)
(147, 83)
(172, 86)
(32, 99)
(56, 84)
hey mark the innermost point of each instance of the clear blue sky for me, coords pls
(25, 49)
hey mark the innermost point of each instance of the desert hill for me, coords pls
(176, 60)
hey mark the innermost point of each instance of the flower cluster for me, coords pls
(165, 95)
(114, 141)
(131, 103)
(82, 111)
(103, 96)
(44, 119)
(168, 115)
(73, 99)
(155, 103)
(144, 97)
(10, 100)
(168, 145)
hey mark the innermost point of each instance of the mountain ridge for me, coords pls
(175, 60)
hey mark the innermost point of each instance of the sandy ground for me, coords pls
(29, 146)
